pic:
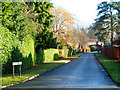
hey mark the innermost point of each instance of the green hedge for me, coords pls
(16, 50)
(51, 54)
(7, 42)
(75, 51)
(28, 52)
(47, 55)
(63, 52)
(39, 56)
(13, 50)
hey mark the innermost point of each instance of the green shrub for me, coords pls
(75, 51)
(51, 54)
(16, 56)
(93, 49)
(70, 52)
(56, 56)
(40, 56)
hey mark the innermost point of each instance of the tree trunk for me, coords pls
(111, 23)
(112, 38)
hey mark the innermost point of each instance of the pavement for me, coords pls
(84, 72)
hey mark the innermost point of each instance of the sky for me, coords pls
(84, 11)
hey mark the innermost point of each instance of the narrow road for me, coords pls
(84, 72)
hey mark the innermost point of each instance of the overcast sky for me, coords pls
(83, 10)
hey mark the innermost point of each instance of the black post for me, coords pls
(13, 71)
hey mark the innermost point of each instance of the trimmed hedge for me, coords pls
(47, 55)
(14, 50)
(28, 52)
(51, 54)
(63, 52)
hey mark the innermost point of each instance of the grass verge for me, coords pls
(112, 67)
(38, 69)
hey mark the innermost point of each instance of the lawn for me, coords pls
(112, 66)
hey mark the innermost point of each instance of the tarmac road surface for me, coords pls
(84, 72)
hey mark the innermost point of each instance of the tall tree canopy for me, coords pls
(39, 12)
(107, 22)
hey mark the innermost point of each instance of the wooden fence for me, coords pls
(112, 52)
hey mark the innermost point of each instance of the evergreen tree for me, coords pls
(13, 18)
(43, 18)
(106, 21)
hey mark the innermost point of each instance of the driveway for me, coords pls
(84, 72)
